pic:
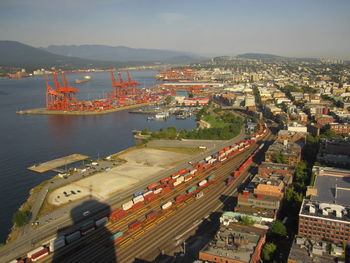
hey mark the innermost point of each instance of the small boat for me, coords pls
(85, 79)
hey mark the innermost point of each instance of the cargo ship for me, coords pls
(85, 79)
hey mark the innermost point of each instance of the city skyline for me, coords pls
(298, 29)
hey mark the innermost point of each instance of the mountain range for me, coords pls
(13, 53)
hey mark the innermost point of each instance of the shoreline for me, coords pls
(43, 111)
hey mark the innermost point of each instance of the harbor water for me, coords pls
(30, 139)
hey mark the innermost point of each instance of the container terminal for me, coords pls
(125, 94)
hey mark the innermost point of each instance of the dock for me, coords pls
(54, 164)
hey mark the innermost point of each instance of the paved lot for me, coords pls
(141, 165)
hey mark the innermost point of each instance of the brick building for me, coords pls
(340, 128)
(291, 151)
(235, 244)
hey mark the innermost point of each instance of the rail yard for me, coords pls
(149, 220)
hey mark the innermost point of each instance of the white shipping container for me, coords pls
(101, 221)
(201, 183)
(147, 193)
(193, 171)
(57, 243)
(167, 205)
(222, 156)
(223, 159)
(180, 179)
(138, 199)
(211, 161)
(188, 178)
(177, 183)
(208, 158)
(128, 205)
(158, 191)
(229, 151)
(31, 253)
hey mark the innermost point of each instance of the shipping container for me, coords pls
(166, 189)
(215, 155)
(180, 198)
(188, 178)
(223, 159)
(73, 237)
(236, 174)
(177, 183)
(150, 198)
(245, 192)
(152, 186)
(202, 183)
(180, 179)
(183, 171)
(151, 215)
(207, 158)
(57, 243)
(147, 193)
(167, 205)
(117, 214)
(176, 175)
(230, 180)
(191, 190)
(164, 180)
(127, 205)
(138, 193)
(138, 199)
(102, 221)
(138, 205)
(134, 225)
(211, 178)
(227, 148)
(117, 236)
(193, 171)
(157, 191)
(221, 152)
(40, 254)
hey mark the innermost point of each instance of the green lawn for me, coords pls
(215, 122)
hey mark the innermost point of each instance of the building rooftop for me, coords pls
(235, 242)
(325, 210)
(333, 185)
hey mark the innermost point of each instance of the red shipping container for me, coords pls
(227, 148)
(180, 198)
(40, 254)
(151, 215)
(137, 206)
(135, 225)
(166, 189)
(152, 186)
(164, 180)
(150, 197)
(236, 174)
(117, 214)
(259, 196)
(245, 193)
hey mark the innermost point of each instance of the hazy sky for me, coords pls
(314, 28)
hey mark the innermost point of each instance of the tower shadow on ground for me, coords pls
(93, 246)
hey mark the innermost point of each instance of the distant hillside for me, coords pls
(123, 54)
(259, 56)
(13, 53)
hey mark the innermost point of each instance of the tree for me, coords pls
(278, 228)
(20, 218)
(144, 131)
(268, 251)
(247, 221)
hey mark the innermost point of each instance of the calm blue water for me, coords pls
(29, 139)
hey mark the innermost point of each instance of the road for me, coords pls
(162, 234)
(60, 218)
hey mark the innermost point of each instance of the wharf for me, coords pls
(53, 164)
(44, 111)
(141, 111)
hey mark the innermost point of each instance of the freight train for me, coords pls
(152, 192)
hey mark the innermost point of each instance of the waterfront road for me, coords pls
(60, 218)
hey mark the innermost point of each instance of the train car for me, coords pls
(153, 186)
(70, 238)
(138, 199)
(138, 193)
(134, 225)
(211, 178)
(191, 190)
(180, 198)
(167, 205)
(38, 253)
(151, 215)
(128, 205)
(230, 180)
(118, 214)
(57, 243)
(100, 222)
(202, 183)
(87, 227)
(165, 180)
(117, 236)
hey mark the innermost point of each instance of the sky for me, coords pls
(298, 28)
